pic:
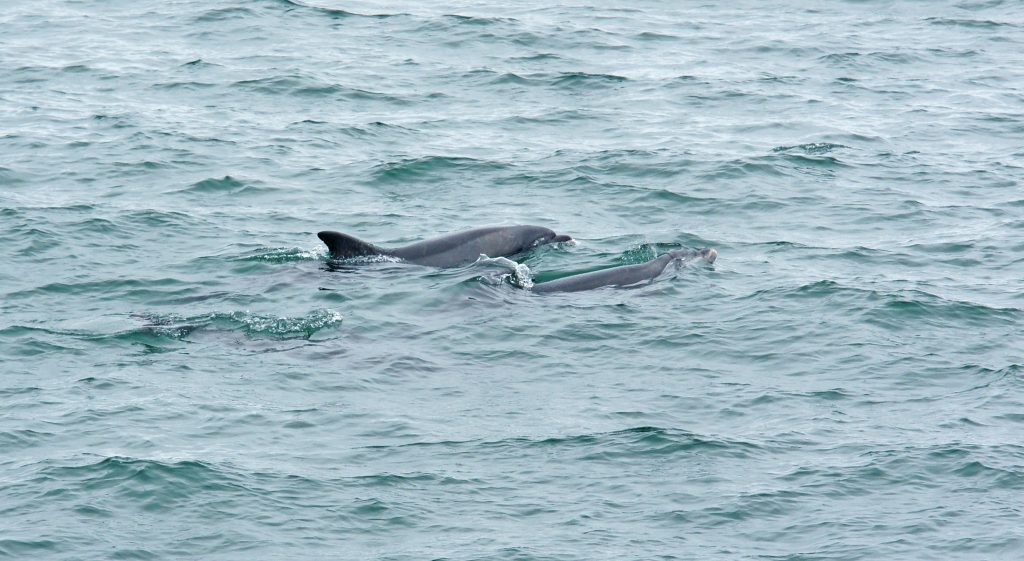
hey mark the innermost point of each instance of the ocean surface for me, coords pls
(185, 375)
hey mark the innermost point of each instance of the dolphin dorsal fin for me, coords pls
(343, 246)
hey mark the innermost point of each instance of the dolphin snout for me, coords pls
(709, 254)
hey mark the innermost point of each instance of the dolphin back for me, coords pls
(461, 248)
(616, 276)
(626, 275)
(451, 250)
(343, 246)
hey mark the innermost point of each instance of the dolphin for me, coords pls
(451, 250)
(626, 275)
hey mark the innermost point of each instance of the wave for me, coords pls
(561, 80)
(281, 255)
(158, 330)
(586, 80)
(813, 148)
(226, 185)
(252, 325)
(223, 14)
(636, 164)
(199, 63)
(334, 13)
(869, 60)
(970, 23)
(158, 218)
(187, 85)
(28, 549)
(630, 444)
(903, 306)
(483, 21)
(9, 177)
(131, 287)
(152, 485)
(431, 167)
(805, 158)
(557, 117)
(307, 86)
(23, 438)
(897, 309)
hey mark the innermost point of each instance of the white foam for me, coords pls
(520, 274)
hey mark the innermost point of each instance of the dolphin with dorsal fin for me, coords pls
(451, 250)
(626, 275)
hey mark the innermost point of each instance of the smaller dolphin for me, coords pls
(451, 250)
(626, 275)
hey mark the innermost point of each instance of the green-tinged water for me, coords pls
(184, 375)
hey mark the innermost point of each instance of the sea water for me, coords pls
(185, 375)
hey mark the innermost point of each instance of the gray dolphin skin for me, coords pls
(626, 275)
(451, 250)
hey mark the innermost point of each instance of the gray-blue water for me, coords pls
(184, 375)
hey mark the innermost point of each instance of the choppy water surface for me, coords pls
(184, 376)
